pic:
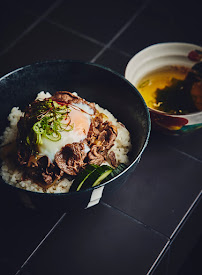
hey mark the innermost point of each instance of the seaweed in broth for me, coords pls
(173, 89)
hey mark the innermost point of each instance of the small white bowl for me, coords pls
(158, 56)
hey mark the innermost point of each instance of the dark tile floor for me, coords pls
(152, 223)
(86, 234)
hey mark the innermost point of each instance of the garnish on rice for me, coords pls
(49, 118)
(64, 138)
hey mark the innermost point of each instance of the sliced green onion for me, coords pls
(39, 139)
(28, 140)
(144, 83)
(48, 116)
(64, 127)
(38, 128)
(55, 136)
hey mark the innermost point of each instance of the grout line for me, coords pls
(168, 260)
(76, 33)
(186, 214)
(185, 154)
(159, 256)
(121, 52)
(32, 26)
(136, 220)
(42, 241)
(148, 227)
(119, 33)
(86, 37)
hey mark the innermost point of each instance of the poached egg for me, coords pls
(80, 115)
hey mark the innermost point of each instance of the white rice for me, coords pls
(13, 176)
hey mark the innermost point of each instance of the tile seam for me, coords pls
(194, 203)
(136, 220)
(121, 30)
(86, 37)
(121, 52)
(31, 27)
(184, 153)
(75, 32)
(166, 246)
(41, 242)
(70, 30)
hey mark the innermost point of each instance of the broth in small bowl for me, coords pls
(169, 77)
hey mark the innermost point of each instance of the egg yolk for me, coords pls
(80, 122)
(80, 116)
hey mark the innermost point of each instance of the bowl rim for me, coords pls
(105, 69)
(175, 115)
(162, 45)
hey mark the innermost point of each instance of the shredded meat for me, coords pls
(104, 132)
(70, 159)
(68, 97)
(101, 137)
(23, 152)
(96, 155)
(112, 158)
(23, 155)
(43, 171)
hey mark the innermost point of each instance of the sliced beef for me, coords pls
(48, 178)
(101, 137)
(43, 171)
(104, 133)
(70, 159)
(23, 154)
(23, 151)
(97, 155)
(68, 98)
(112, 158)
(108, 135)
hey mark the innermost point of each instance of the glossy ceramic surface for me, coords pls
(158, 56)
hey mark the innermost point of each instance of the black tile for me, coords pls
(13, 21)
(187, 238)
(37, 7)
(99, 21)
(45, 42)
(114, 60)
(21, 231)
(192, 263)
(97, 241)
(189, 144)
(162, 21)
(161, 189)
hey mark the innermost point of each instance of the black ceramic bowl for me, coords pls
(95, 83)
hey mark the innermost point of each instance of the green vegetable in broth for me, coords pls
(176, 99)
(174, 89)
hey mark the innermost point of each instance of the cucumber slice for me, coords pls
(98, 176)
(93, 175)
(80, 179)
(90, 177)
(120, 168)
